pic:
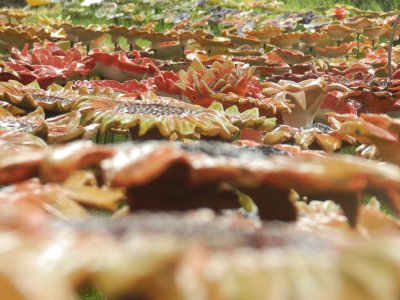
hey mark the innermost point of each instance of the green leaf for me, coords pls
(351, 150)
(91, 293)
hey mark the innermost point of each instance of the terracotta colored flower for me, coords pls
(239, 40)
(270, 60)
(332, 102)
(69, 62)
(266, 105)
(171, 248)
(14, 110)
(266, 33)
(338, 32)
(43, 33)
(245, 50)
(370, 216)
(318, 23)
(286, 40)
(7, 73)
(378, 130)
(44, 75)
(206, 60)
(158, 38)
(306, 96)
(55, 99)
(42, 200)
(248, 119)
(372, 101)
(214, 45)
(305, 137)
(333, 52)
(310, 39)
(200, 168)
(377, 59)
(359, 24)
(15, 164)
(165, 83)
(339, 13)
(396, 54)
(184, 36)
(396, 36)
(134, 32)
(33, 123)
(292, 57)
(84, 34)
(227, 83)
(19, 142)
(354, 74)
(375, 32)
(16, 14)
(63, 160)
(13, 37)
(117, 32)
(120, 67)
(131, 87)
(66, 127)
(199, 84)
(67, 201)
(168, 117)
(169, 242)
(58, 129)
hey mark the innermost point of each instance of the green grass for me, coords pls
(351, 150)
(322, 5)
(383, 206)
(110, 138)
(90, 293)
(79, 15)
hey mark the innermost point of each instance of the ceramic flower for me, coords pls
(306, 96)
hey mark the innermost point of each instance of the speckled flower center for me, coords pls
(321, 127)
(152, 109)
(51, 99)
(18, 125)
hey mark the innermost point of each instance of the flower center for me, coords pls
(51, 99)
(18, 125)
(153, 109)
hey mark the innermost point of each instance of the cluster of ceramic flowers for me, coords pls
(222, 132)
(235, 28)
